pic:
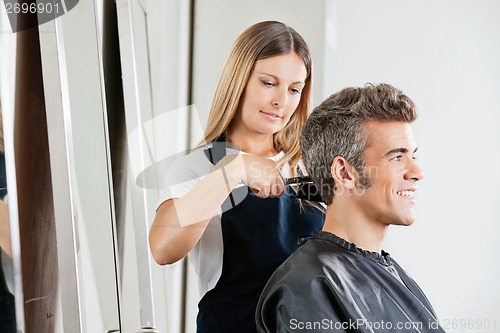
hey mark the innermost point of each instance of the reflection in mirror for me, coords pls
(10, 256)
(7, 305)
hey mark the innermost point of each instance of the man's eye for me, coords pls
(414, 157)
(397, 158)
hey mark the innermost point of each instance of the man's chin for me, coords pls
(409, 221)
(406, 221)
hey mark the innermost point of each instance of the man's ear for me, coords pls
(343, 173)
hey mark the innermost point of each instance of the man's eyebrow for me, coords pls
(277, 79)
(399, 150)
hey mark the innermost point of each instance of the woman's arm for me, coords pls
(180, 223)
(4, 228)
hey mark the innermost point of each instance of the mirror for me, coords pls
(80, 168)
(60, 192)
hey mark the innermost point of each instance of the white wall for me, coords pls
(446, 56)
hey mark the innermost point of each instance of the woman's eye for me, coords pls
(295, 91)
(268, 84)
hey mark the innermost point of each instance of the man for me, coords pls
(359, 149)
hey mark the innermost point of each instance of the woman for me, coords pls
(226, 203)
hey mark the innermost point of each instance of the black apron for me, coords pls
(258, 235)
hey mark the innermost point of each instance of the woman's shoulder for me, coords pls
(183, 172)
(194, 162)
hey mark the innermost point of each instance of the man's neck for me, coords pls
(344, 222)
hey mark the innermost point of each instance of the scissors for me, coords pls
(298, 180)
(306, 190)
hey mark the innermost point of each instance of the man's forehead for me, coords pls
(388, 135)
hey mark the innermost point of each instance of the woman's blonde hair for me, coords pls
(260, 41)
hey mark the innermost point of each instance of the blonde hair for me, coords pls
(260, 41)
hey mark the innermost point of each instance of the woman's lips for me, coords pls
(273, 116)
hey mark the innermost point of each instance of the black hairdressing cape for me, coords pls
(330, 285)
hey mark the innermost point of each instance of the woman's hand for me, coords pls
(261, 174)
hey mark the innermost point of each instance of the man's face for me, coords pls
(390, 163)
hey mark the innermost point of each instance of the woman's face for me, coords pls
(271, 95)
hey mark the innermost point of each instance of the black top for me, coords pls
(330, 285)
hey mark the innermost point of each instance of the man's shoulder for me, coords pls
(311, 260)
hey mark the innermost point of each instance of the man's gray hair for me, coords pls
(335, 128)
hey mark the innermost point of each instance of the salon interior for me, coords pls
(96, 102)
